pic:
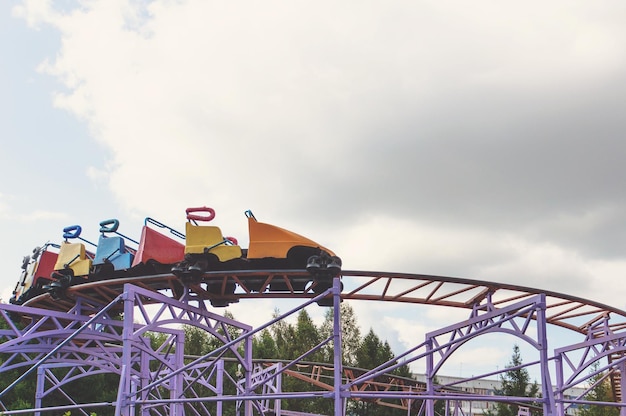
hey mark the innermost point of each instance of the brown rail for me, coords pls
(224, 287)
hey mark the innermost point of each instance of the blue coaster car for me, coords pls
(112, 254)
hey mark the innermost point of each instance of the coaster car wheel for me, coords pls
(181, 269)
(297, 257)
(324, 265)
(334, 265)
(322, 285)
(199, 264)
(63, 278)
(215, 288)
(103, 271)
(57, 288)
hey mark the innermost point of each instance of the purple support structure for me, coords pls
(515, 320)
(485, 318)
(88, 338)
(337, 351)
(92, 345)
(574, 363)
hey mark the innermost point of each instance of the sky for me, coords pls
(476, 139)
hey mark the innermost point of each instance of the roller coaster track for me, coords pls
(570, 312)
(320, 375)
(491, 305)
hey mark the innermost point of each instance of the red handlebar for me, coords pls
(196, 217)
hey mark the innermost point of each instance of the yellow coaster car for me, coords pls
(73, 264)
(271, 247)
(205, 249)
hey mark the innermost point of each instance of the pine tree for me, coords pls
(307, 336)
(372, 353)
(515, 382)
(600, 391)
(263, 346)
(350, 334)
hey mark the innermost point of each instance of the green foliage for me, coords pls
(515, 382)
(372, 351)
(196, 341)
(282, 341)
(264, 346)
(600, 391)
(350, 334)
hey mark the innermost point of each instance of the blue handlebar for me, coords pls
(109, 226)
(72, 231)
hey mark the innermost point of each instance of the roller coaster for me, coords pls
(81, 309)
(203, 248)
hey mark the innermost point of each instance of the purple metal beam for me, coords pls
(44, 341)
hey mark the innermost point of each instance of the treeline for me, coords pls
(282, 341)
(286, 342)
(101, 387)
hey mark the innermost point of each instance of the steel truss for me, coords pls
(98, 335)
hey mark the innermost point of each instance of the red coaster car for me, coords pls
(36, 271)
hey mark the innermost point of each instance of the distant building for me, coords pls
(488, 387)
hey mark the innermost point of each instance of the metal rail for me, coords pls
(50, 337)
(563, 310)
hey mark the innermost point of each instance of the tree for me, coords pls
(307, 336)
(371, 353)
(263, 345)
(600, 391)
(515, 382)
(196, 341)
(284, 335)
(350, 334)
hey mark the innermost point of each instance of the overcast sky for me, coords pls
(478, 139)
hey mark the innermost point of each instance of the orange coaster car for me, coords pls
(271, 247)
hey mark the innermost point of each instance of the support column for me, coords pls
(560, 406)
(145, 379)
(219, 386)
(542, 341)
(124, 393)
(279, 389)
(337, 363)
(430, 388)
(248, 374)
(41, 382)
(622, 373)
(177, 388)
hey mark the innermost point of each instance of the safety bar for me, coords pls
(111, 226)
(73, 231)
(154, 222)
(249, 214)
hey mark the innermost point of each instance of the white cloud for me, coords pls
(222, 100)
(34, 12)
(39, 215)
(476, 140)
(11, 209)
(3, 206)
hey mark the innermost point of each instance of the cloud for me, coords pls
(3, 206)
(324, 91)
(407, 136)
(11, 208)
